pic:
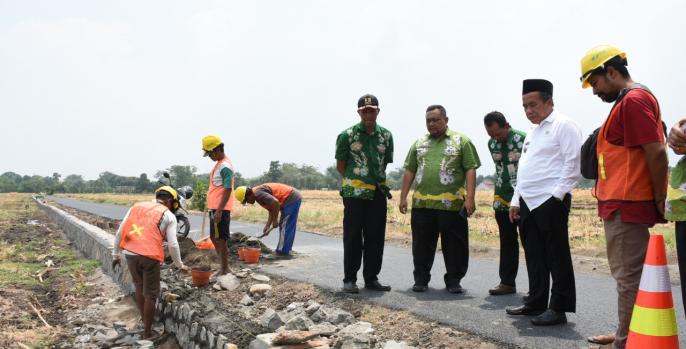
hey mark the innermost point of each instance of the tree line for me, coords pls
(300, 176)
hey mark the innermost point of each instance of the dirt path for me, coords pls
(49, 297)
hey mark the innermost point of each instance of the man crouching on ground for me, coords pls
(140, 236)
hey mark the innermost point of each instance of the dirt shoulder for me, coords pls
(49, 296)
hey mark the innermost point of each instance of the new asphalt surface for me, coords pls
(319, 260)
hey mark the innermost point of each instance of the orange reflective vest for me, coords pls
(215, 192)
(623, 171)
(279, 191)
(141, 232)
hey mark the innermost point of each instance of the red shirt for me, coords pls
(635, 125)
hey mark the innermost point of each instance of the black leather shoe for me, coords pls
(457, 289)
(502, 289)
(523, 310)
(550, 317)
(350, 287)
(419, 288)
(376, 286)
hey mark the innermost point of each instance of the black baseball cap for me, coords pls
(367, 101)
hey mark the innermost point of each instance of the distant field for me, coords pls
(322, 211)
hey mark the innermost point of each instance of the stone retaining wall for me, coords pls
(178, 317)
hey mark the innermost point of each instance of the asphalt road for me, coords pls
(319, 261)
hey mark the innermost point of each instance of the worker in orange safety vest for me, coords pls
(139, 238)
(219, 198)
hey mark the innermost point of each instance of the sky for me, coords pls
(131, 87)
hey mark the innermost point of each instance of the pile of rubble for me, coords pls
(299, 325)
(313, 325)
(116, 337)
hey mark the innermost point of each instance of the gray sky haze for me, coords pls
(132, 86)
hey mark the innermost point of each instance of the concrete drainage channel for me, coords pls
(197, 321)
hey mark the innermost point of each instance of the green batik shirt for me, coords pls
(506, 158)
(675, 206)
(366, 157)
(439, 166)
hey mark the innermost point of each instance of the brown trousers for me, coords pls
(626, 249)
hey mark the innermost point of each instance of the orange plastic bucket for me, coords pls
(241, 253)
(252, 254)
(205, 245)
(200, 277)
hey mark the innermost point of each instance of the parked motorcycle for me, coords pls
(185, 193)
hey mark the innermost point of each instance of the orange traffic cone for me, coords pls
(653, 322)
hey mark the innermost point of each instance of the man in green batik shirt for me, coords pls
(362, 153)
(505, 146)
(675, 207)
(441, 162)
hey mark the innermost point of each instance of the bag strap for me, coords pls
(623, 93)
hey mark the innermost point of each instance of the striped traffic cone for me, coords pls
(653, 322)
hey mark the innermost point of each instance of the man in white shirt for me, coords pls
(140, 237)
(548, 171)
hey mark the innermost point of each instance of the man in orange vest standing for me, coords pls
(632, 174)
(275, 198)
(219, 198)
(140, 236)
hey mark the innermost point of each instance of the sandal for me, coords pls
(605, 346)
(601, 339)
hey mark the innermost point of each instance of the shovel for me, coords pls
(265, 234)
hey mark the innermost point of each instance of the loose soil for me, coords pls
(389, 324)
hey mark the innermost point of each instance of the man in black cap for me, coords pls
(362, 153)
(548, 171)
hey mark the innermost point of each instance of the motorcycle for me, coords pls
(184, 193)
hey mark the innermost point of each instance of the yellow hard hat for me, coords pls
(173, 193)
(595, 58)
(210, 142)
(240, 194)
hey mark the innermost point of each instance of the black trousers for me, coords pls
(427, 225)
(364, 233)
(509, 248)
(680, 231)
(548, 255)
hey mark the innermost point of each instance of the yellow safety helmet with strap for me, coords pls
(173, 193)
(241, 193)
(210, 142)
(596, 58)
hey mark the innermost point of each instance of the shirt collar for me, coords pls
(448, 133)
(550, 118)
(510, 134)
(361, 128)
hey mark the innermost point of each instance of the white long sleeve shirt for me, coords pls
(550, 163)
(168, 225)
